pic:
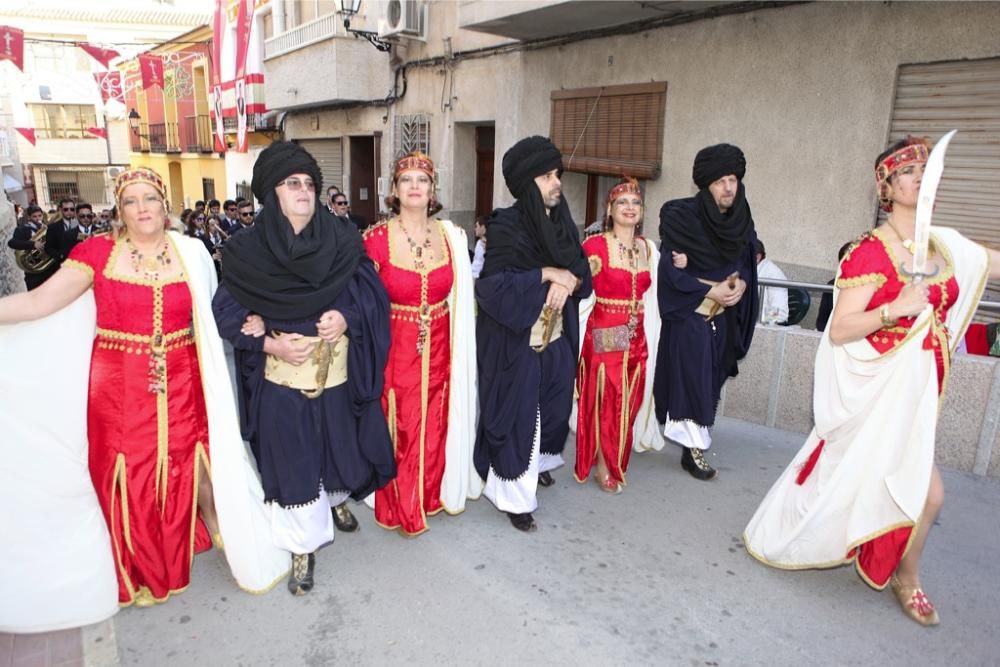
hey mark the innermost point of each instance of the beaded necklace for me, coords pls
(148, 265)
(631, 257)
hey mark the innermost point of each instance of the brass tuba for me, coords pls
(34, 260)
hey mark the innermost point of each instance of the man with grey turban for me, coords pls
(709, 308)
(527, 331)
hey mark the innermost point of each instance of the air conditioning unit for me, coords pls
(404, 18)
(114, 172)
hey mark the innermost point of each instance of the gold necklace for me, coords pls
(907, 243)
(148, 265)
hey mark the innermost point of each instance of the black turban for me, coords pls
(528, 158)
(279, 161)
(714, 162)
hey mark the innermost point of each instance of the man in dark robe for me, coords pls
(709, 308)
(527, 331)
(309, 320)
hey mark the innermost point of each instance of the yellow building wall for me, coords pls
(192, 169)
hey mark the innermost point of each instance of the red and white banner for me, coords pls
(110, 84)
(98, 132)
(244, 24)
(103, 56)
(151, 68)
(28, 133)
(218, 32)
(12, 46)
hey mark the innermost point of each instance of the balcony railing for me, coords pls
(198, 134)
(163, 138)
(308, 33)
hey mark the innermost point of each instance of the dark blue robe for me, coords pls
(514, 380)
(340, 439)
(691, 360)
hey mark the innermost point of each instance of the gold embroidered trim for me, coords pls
(80, 266)
(873, 278)
(595, 265)
(140, 338)
(109, 269)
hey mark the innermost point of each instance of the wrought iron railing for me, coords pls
(198, 134)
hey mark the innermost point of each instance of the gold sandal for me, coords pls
(914, 602)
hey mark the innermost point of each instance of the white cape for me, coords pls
(56, 569)
(646, 434)
(877, 415)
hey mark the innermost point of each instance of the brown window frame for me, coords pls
(611, 130)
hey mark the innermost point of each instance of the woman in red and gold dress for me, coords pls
(615, 400)
(864, 488)
(160, 406)
(430, 383)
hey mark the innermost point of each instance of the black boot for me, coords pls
(300, 580)
(545, 479)
(523, 522)
(694, 462)
(343, 519)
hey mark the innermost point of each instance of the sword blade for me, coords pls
(925, 203)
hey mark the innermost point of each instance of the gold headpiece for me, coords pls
(415, 160)
(138, 175)
(627, 185)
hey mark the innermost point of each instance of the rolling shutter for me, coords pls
(330, 157)
(613, 131)
(964, 95)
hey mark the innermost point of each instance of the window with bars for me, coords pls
(85, 186)
(63, 121)
(612, 131)
(413, 133)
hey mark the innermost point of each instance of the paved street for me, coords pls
(656, 575)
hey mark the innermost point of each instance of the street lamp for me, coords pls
(349, 9)
(133, 121)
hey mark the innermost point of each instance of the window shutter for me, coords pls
(330, 157)
(965, 95)
(613, 131)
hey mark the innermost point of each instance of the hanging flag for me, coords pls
(110, 84)
(244, 23)
(103, 56)
(28, 133)
(218, 31)
(151, 68)
(98, 132)
(12, 46)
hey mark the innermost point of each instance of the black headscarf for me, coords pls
(554, 240)
(277, 273)
(708, 236)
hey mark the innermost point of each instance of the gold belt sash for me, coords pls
(326, 367)
(546, 329)
(708, 308)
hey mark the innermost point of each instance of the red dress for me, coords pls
(873, 261)
(415, 398)
(610, 384)
(146, 424)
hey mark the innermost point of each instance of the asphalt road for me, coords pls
(656, 575)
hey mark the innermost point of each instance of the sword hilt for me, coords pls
(916, 277)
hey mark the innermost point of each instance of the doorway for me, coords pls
(177, 203)
(363, 196)
(485, 149)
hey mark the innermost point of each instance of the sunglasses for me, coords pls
(70, 209)
(230, 208)
(246, 214)
(86, 216)
(342, 202)
(295, 184)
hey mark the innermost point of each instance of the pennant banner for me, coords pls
(12, 46)
(244, 24)
(103, 56)
(98, 132)
(110, 84)
(151, 68)
(28, 133)
(218, 29)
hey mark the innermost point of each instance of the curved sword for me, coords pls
(925, 208)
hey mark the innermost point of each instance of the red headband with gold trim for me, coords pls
(628, 186)
(138, 175)
(415, 160)
(915, 153)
